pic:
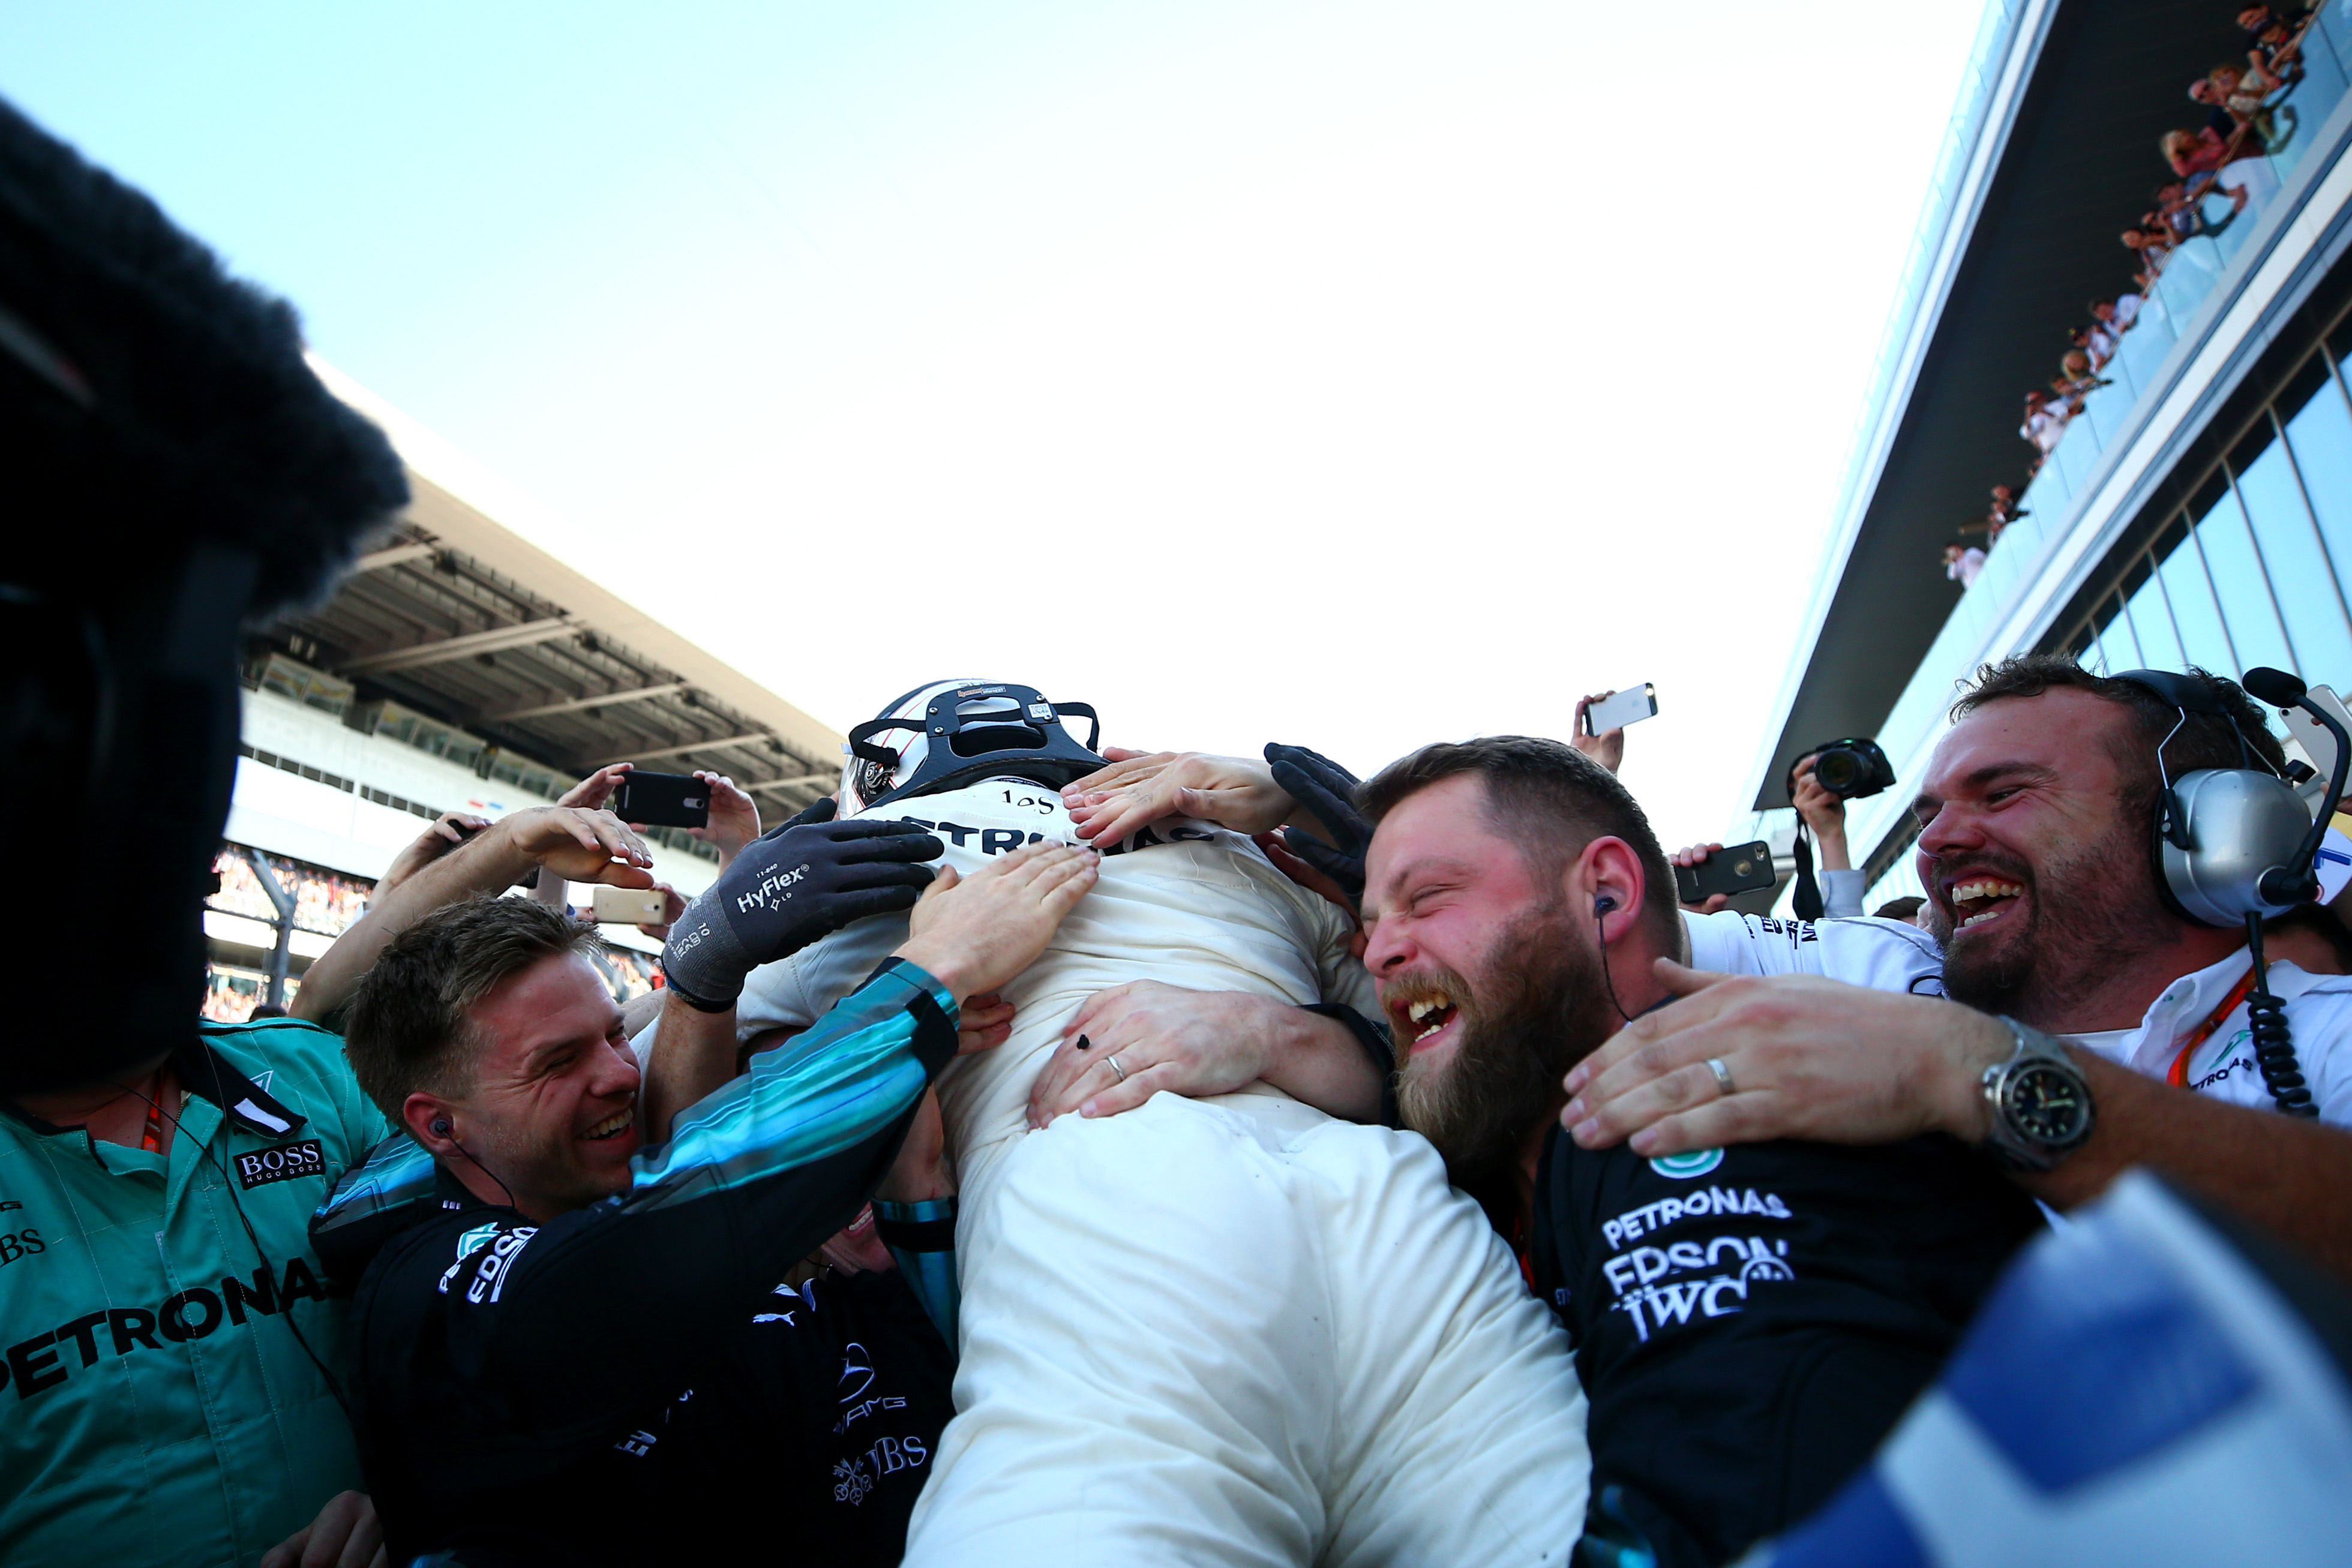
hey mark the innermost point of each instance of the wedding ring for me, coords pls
(1716, 1065)
(1114, 1067)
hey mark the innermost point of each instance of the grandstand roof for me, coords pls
(2054, 153)
(461, 617)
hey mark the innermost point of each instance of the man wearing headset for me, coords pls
(2037, 821)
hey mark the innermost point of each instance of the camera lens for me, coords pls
(1837, 770)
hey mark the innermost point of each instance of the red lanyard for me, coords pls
(2179, 1076)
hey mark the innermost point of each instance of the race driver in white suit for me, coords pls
(1230, 1330)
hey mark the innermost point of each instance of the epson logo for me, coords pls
(280, 1162)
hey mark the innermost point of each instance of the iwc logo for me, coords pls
(1685, 1166)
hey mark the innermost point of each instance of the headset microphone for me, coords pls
(2236, 845)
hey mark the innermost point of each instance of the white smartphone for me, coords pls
(1629, 706)
(630, 905)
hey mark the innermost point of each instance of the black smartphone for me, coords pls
(1742, 868)
(662, 799)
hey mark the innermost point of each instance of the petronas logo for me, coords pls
(1685, 1166)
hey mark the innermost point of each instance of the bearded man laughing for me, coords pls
(1749, 1321)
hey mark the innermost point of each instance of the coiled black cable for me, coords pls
(2274, 1044)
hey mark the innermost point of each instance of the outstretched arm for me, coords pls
(1811, 1058)
(1198, 1043)
(568, 843)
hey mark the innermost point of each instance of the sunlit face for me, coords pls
(1440, 887)
(1493, 991)
(2033, 861)
(552, 1110)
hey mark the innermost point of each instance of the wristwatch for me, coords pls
(2038, 1101)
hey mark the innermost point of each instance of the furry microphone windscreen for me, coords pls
(173, 472)
(149, 400)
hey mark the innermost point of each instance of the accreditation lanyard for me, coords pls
(2179, 1076)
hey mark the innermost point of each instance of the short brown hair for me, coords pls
(1550, 798)
(409, 1029)
(2203, 739)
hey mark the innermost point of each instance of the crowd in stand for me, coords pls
(325, 901)
(2222, 164)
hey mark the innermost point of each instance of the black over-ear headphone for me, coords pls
(2236, 846)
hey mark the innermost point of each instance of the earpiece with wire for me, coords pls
(1600, 908)
(441, 1129)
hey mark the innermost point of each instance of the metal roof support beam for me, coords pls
(711, 745)
(449, 648)
(579, 704)
(398, 555)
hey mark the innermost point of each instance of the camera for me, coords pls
(1852, 769)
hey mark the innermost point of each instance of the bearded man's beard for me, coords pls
(1538, 1007)
(2094, 913)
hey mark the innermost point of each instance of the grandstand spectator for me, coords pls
(2003, 511)
(2275, 44)
(1962, 562)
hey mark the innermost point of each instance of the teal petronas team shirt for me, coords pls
(158, 1407)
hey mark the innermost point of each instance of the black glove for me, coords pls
(789, 887)
(1328, 791)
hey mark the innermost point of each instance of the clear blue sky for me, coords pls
(1355, 375)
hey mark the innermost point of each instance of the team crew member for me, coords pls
(579, 1347)
(168, 1326)
(177, 476)
(2037, 818)
(1749, 1322)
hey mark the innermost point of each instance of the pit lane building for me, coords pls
(462, 666)
(2199, 509)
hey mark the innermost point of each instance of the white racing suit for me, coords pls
(1230, 1330)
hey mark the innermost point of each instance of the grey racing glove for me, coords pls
(789, 886)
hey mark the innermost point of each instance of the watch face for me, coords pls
(2047, 1103)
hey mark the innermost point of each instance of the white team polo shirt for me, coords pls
(2318, 1014)
(1889, 956)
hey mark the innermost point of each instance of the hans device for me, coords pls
(1743, 868)
(662, 801)
(2038, 1101)
(1617, 711)
(2236, 845)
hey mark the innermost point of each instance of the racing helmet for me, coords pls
(951, 733)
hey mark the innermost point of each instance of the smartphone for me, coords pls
(1742, 868)
(630, 905)
(662, 799)
(1626, 708)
